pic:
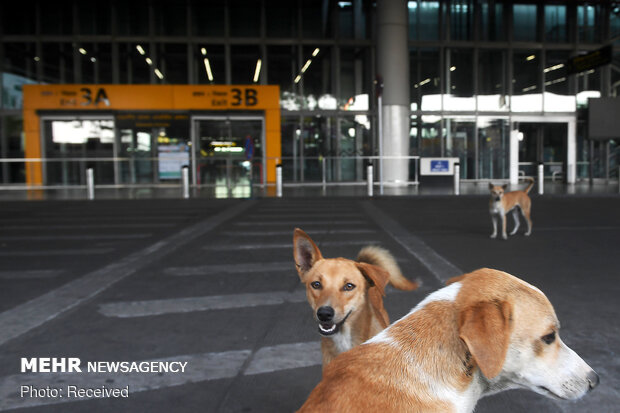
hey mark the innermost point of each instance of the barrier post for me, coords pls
(185, 173)
(324, 173)
(90, 183)
(541, 178)
(279, 180)
(369, 171)
(457, 179)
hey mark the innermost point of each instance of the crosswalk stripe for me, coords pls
(200, 367)
(73, 237)
(290, 232)
(129, 309)
(244, 268)
(29, 274)
(72, 252)
(234, 247)
(297, 223)
(86, 226)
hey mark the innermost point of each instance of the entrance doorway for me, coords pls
(548, 140)
(543, 143)
(228, 152)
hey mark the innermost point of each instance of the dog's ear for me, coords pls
(490, 186)
(376, 276)
(485, 327)
(305, 251)
(504, 186)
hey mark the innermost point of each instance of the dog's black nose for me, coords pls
(593, 379)
(325, 313)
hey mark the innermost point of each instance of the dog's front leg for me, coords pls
(494, 220)
(503, 218)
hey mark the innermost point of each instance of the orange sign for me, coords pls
(153, 98)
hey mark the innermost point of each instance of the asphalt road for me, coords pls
(211, 283)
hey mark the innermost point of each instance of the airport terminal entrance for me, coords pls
(229, 151)
(547, 140)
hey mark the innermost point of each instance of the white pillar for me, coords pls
(514, 157)
(369, 179)
(393, 68)
(185, 175)
(571, 153)
(541, 178)
(90, 183)
(279, 181)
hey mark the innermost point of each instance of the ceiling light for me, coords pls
(530, 57)
(316, 52)
(140, 50)
(306, 66)
(203, 50)
(159, 74)
(208, 69)
(149, 61)
(257, 70)
(453, 68)
(82, 50)
(298, 78)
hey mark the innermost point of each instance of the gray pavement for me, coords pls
(211, 283)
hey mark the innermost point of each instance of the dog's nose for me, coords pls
(593, 379)
(325, 313)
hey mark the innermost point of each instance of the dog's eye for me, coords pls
(348, 287)
(549, 338)
(316, 285)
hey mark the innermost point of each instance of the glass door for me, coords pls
(229, 152)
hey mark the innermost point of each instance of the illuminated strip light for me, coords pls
(149, 61)
(552, 82)
(298, 78)
(425, 81)
(306, 66)
(556, 67)
(203, 51)
(527, 89)
(140, 50)
(208, 69)
(453, 68)
(159, 74)
(316, 52)
(530, 57)
(82, 50)
(257, 71)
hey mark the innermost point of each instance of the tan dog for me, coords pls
(345, 295)
(486, 332)
(502, 203)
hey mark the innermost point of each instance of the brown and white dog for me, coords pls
(486, 332)
(345, 295)
(502, 203)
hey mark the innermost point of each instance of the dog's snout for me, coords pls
(593, 379)
(325, 313)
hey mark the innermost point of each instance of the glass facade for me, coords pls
(473, 65)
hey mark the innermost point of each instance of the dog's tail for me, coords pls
(527, 190)
(382, 258)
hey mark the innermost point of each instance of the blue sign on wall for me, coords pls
(440, 166)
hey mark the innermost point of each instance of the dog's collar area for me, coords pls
(329, 329)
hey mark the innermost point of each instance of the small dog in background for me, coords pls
(502, 203)
(346, 295)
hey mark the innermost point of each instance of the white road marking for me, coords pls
(299, 223)
(440, 267)
(73, 237)
(290, 232)
(29, 274)
(243, 268)
(288, 245)
(86, 226)
(32, 314)
(129, 309)
(199, 368)
(71, 252)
